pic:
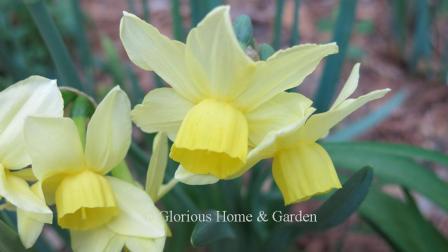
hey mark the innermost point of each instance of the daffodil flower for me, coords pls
(302, 168)
(103, 213)
(216, 107)
(33, 96)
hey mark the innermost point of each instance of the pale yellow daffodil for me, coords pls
(99, 210)
(30, 97)
(301, 167)
(216, 107)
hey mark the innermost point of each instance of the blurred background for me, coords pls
(401, 44)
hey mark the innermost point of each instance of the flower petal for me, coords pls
(145, 245)
(190, 178)
(17, 191)
(283, 70)
(92, 240)
(304, 171)
(215, 57)
(162, 110)
(349, 87)
(33, 96)
(54, 146)
(319, 125)
(138, 215)
(280, 111)
(30, 224)
(109, 132)
(151, 50)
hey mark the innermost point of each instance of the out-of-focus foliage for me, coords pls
(22, 44)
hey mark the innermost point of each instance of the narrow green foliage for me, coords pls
(295, 33)
(121, 171)
(334, 65)
(278, 24)
(340, 206)
(9, 240)
(178, 30)
(146, 10)
(207, 232)
(422, 33)
(401, 224)
(59, 54)
(83, 45)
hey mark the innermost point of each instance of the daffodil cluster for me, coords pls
(224, 113)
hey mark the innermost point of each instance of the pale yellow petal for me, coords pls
(109, 132)
(91, 240)
(138, 215)
(30, 224)
(145, 245)
(215, 58)
(157, 165)
(280, 111)
(283, 70)
(304, 171)
(33, 96)
(151, 50)
(349, 87)
(319, 125)
(162, 110)
(17, 192)
(271, 143)
(54, 146)
(190, 178)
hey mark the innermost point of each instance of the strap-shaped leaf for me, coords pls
(9, 240)
(332, 212)
(391, 168)
(205, 233)
(401, 224)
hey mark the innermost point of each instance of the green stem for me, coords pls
(53, 40)
(166, 188)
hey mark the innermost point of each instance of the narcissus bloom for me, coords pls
(221, 100)
(102, 212)
(33, 96)
(301, 167)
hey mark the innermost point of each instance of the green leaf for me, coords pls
(55, 44)
(403, 150)
(334, 211)
(278, 23)
(391, 168)
(243, 30)
(333, 67)
(344, 202)
(9, 240)
(208, 232)
(401, 224)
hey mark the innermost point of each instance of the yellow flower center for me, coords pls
(212, 139)
(85, 200)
